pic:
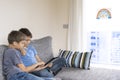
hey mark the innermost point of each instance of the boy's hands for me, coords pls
(49, 65)
(41, 65)
(22, 50)
(40, 68)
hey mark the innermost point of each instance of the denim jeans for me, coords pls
(43, 73)
(27, 76)
(58, 63)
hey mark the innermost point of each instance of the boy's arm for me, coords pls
(42, 67)
(29, 68)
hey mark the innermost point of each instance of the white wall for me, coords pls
(42, 17)
(61, 34)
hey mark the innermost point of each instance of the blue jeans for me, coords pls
(43, 73)
(27, 76)
(58, 63)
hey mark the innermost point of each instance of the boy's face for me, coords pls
(28, 40)
(19, 45)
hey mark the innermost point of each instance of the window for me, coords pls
(101, 31)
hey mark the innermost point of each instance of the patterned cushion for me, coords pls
(76, 59)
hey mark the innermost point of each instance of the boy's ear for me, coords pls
(14, 43)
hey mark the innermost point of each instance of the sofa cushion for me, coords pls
(92, 74)
(43, 47)
(76, 59)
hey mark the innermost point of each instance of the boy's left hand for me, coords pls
(49, 65)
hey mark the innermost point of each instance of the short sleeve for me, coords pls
(16, 58)
(34, 50)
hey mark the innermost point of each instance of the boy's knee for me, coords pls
(50, 75)
(63, 60)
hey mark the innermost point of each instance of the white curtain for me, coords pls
(75, 25)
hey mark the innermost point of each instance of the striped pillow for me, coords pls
(76, 59)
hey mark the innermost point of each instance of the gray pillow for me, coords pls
(44, 48)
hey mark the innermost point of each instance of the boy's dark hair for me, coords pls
(26, 32)
(15, 36)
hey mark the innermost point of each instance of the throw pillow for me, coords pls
(76, 59)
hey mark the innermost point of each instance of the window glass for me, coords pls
(101, 31)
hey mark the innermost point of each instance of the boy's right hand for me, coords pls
(22, 50)
(41, 63)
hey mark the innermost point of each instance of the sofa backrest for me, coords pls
(2, 49)
(43, 47)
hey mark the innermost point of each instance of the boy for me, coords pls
(13, 67)
(31, 57)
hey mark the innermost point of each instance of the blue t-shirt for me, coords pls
(29, 58)
(10, 61)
